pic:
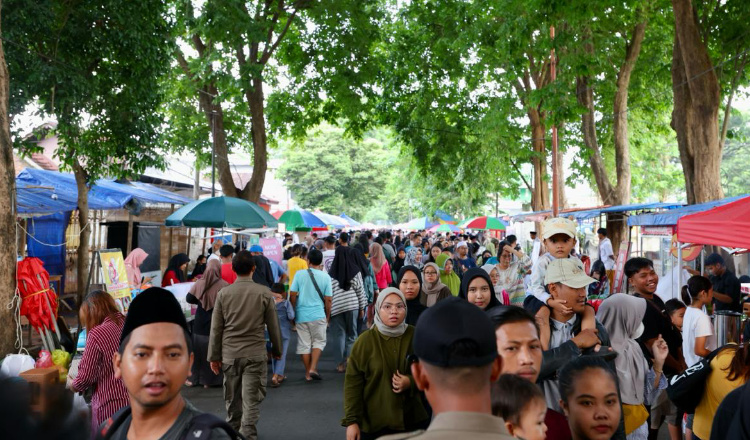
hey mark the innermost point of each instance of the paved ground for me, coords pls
(297, 410)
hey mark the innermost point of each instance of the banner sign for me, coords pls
(665, 231)
(622, 256)
(272, 249)
(115, 277)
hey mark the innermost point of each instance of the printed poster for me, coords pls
(272, 249)
(113, 273)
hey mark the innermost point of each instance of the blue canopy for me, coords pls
(591, 213)
(351, 221)
(670, 217)
(444, 216)
(45, 192)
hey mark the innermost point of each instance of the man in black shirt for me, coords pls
(726, 285)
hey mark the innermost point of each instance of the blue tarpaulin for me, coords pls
(43, 232)
(46, 192)
(670, 217)
(444, 216)
(591, 213)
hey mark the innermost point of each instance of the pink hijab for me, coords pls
(377, 257)
(133, 266)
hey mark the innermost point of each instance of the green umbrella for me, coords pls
(222, 212)
(299, 219)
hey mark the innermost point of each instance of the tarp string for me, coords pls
(49, 244)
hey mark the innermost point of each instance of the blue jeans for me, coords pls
(343, 334)
(280, 365)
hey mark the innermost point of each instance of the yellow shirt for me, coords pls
(717, 387)
(295, 264)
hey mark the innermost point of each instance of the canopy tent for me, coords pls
(221, 212)
(45, 192)
(277, 214)
(295, 219)
(331, 220)
(725, 225)
(351, 222)
(596, 212)
(420, 223)
(669, 218)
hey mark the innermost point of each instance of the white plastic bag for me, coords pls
(15, 364)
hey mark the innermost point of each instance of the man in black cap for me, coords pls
(726, 285)
(457, 363)
(153, 361)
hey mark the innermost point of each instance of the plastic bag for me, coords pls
(15, 364)
(44, 360)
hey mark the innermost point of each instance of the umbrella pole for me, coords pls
(52, 315)
(43, 338)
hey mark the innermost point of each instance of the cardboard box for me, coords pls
(41, 381)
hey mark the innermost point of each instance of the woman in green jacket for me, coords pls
(379, 393)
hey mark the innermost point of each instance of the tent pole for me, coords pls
(171, 233)
(679, 272)
(703, 260)
(129, 246)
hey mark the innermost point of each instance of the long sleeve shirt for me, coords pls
(369, 400)
(240, 316)
(383, 278)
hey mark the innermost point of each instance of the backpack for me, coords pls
(199, 428)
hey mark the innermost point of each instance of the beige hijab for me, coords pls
(391, 332)
(208, 287)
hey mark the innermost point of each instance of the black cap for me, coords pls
(449, 321)
(714, 259)
(151, 306)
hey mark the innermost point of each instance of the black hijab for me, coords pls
(263, 273)
(174, 265)
(399, 262)
(345, 266)
(199, 268)
(469, 276)
(414, 307)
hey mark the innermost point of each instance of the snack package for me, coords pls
(44, 360)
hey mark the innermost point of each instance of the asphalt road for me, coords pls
(297, 409)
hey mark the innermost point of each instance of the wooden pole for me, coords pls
(171, 234)
(555, 189)
(130, 234)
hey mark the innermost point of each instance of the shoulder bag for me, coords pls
(686, 389)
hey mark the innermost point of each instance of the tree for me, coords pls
(314, 56)
(8, 213)
(705, 32)
(95, 67)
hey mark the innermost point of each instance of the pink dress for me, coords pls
(384, 278)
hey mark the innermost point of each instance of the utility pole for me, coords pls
(213, 153)
(555, 188)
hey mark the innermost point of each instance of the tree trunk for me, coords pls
(540, 199)
(7, 215)
(695, 117)
(83, 220)
(256, 103)
(562, 201)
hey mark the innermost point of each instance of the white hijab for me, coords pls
(391, 332)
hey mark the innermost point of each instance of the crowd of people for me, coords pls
(437, 336)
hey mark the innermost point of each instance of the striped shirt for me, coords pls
(348, 300)
(96, 370)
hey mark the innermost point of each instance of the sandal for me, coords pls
(275, 382)
(315, 375)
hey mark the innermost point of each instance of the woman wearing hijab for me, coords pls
(433, 290)
(203, 294)
(414, 257)
(476, 287)
(512, 272)
(410, 283)
(133, 267)
(347, 304)
(447, 274)
(399, 262)
(494, 274)
(622, 316)
(175, 272)
(380, 266)
(200, 267)
(380, 397)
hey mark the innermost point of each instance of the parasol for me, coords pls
(484, 222)
(445, 227)
(222, 212)
(421, 223)
(38, 301)
(295, 219)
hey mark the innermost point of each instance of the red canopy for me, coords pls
(726, 225)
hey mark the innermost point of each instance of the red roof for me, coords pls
(726, 225)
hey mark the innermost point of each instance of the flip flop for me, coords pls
(316, 376)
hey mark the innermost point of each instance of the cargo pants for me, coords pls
(244, 390)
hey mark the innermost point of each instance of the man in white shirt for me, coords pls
(607, 255)
(215, 251)
(329, 251)
(536, 249)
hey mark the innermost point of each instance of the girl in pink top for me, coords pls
(380, 266)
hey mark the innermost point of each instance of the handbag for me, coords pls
(317, 289)
(686, 389)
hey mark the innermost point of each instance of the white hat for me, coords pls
(462, 244)
(568, 271)
(558, 225)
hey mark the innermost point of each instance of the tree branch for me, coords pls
(525, 182)
(739, 67)
(267, 53)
